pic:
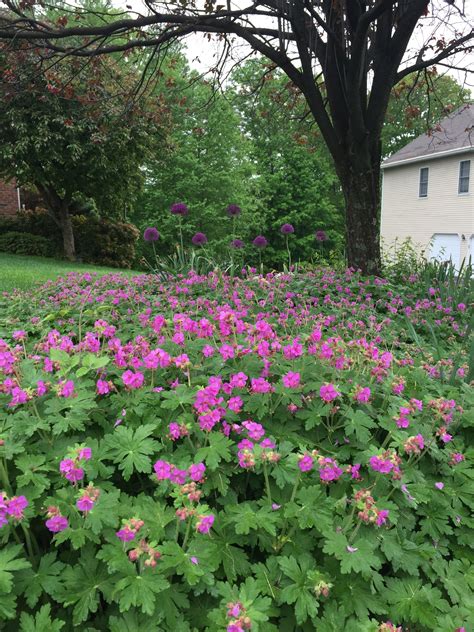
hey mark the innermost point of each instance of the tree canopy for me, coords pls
(73, 134)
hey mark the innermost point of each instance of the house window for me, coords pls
(464, 170)
(424, 182)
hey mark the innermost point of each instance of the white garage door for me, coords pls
(446, 247)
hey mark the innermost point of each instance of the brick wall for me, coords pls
(8, 199)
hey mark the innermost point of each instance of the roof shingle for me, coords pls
(455, 132)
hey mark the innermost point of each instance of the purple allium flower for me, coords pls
(199, 239)
(233, 210)
(260, 241)
(57, 523)
(179, 208)
(151, 234)
(321, 235)
(237, 243)
(287, 229)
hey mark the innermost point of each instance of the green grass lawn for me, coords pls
(21, 272)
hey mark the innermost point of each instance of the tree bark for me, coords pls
(58, 208)
(361, 190)
(67, 232)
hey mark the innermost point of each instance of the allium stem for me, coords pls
(180, 228)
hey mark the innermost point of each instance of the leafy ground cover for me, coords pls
(22, 272)
(279, 453)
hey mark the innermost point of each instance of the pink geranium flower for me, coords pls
(133, 380)
(291, 380)
(205, 523)
(328, 393)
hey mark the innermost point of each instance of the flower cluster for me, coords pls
(146, 550)
(12, 507)
(254, 433)
(388, 626)
(87, 498)
(414, 445)
(70, 466)
(168, 471)
(56, 522)
(367, 511)
(387, 463)
(238, 620)
(129, 529)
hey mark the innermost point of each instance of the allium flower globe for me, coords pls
(287, 229)
(260, 241)
(321, 235)
(180, 208)
(237, 244)
(151, 234)
(233, 210)
(199, 239)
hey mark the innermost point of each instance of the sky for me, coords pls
(203, 54)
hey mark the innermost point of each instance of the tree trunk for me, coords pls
(67, 232)
(362, 197)
(58, 208)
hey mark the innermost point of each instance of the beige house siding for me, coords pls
(405, 214)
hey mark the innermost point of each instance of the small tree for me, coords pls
(294, 180)
(72, 133)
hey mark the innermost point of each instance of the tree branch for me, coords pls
(449, 50)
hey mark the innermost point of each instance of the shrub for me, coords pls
(271, 454)
(104, 242)
(20, 243)
(98, 241)
(8, 224)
